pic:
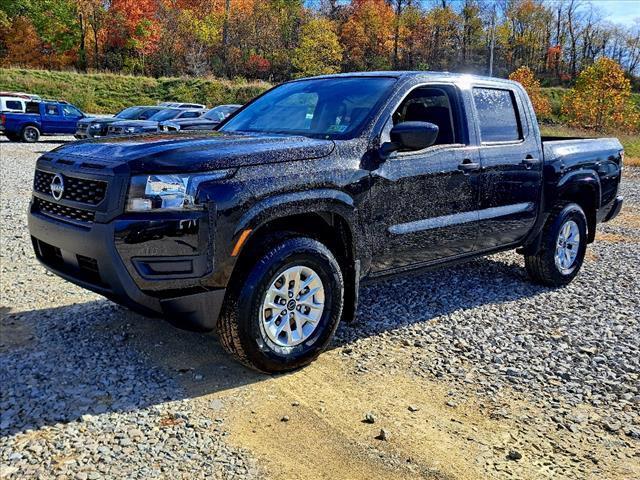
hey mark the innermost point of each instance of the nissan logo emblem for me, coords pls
(57, 186)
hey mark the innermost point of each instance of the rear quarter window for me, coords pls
(13, 105)
(497, 115)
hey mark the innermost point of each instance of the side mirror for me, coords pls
(410, 136)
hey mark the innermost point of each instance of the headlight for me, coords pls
(95, 126)
(168, 192)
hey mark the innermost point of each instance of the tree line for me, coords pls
(277, 40)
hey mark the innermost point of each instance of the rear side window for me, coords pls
(32, 107)
(190, 115)
(51, 109)
(497, 115)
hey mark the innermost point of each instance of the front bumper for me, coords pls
(138, 263)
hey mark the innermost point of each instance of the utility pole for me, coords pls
(493, 41)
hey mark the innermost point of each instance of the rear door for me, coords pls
(423, 204)
(511, 179)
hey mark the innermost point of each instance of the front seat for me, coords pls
(417, 112)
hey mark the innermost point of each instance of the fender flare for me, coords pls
(579, 179)
(296, 203)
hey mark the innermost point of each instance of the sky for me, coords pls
(619, 11)
(623, 12)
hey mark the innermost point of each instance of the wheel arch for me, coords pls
(583, 188)
(325, 215)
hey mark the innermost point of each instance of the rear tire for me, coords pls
(30, 134)
(302, 279)
(562, 249)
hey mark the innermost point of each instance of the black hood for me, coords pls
(172, 153)
(183, 122)
(100, 120)
(136, 123)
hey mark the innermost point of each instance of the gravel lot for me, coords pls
(472, 371)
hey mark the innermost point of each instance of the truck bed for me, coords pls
(572, 149)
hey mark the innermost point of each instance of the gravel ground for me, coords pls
(90, 390)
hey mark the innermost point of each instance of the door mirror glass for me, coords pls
(410, 136)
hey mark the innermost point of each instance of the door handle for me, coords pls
(468, 166)
(530, 162)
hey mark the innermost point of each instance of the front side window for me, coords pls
(433, 105)
(332, 108)
(497, 115)
(70, 111)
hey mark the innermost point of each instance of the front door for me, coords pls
(512, 168)
(70, 117)
(423, 205)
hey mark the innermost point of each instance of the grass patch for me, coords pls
(108, 93)
(630, 142)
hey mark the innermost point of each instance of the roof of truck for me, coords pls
(418, 73)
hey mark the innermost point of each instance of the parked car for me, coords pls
(47, 117)
(183, 105)
(208, 121)
(152, 123)
(92, 127)
(15, 102)
(265, 229)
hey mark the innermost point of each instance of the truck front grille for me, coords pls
(76, 189)
(62, 211)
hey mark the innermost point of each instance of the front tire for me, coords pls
(30, 134)
(285, 310)
(562, 249)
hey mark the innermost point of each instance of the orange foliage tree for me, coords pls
(527, 79)
(367, 36)
(23, 45)
(133, 25)
(601, 99)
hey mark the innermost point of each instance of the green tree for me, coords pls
(320, 51)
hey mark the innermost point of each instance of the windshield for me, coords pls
(130, 113)
(164, 115)
(219, 113)
(321, 108)
(149, 112)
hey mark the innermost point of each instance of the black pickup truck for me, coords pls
(264, 229)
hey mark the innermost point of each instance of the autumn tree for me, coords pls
(525, 76)
(367, 36)
(600, 99)
(23, 46)
(320, 52)
(525, 34)
(133, 31)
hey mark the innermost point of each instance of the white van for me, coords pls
(15, 102)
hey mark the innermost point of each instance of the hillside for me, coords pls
(108, 93)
